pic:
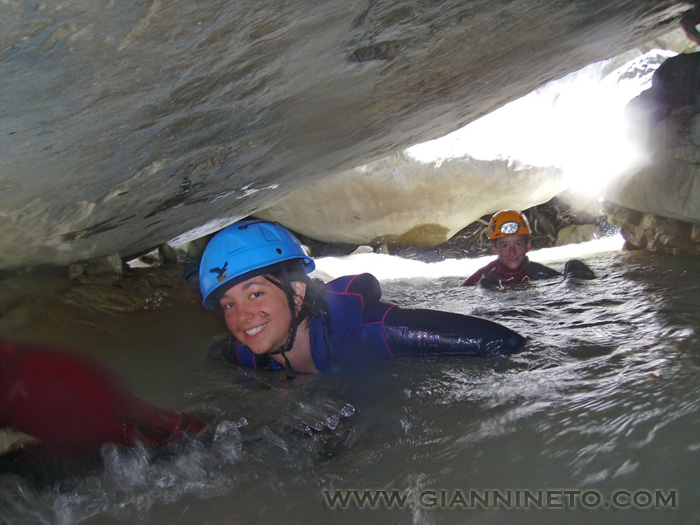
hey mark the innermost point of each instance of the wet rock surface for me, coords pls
(657, 206)
(125, 125)
(405, 202)
(546, 220)
(646, 231)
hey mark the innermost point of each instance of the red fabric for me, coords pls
(73, 405)
(506, 274)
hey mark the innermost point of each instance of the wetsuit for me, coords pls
(361, 328)
(528, 271)
(72, 406)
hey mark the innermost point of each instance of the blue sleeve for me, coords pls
(387, 330)
(365, 285)
(431, 332)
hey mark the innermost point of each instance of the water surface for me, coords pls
(603, 399)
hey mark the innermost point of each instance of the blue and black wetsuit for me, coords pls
(363, 327)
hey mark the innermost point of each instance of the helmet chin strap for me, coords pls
(286, 347)
(297, 318)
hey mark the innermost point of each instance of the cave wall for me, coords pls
(658, 205)
(128, 124)
(405, 202)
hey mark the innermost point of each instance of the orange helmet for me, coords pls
(508, 222)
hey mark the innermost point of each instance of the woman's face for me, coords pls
(257, 313)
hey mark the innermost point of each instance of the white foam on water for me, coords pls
(387, 267)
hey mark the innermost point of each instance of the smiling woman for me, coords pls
(257, 314)
(279, 318)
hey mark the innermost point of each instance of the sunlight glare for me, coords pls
(387, 267)
(577, 124)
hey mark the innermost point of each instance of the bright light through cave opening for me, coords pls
(577, 124)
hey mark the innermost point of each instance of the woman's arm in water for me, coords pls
(431, 332)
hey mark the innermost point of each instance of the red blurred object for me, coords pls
(73, 405)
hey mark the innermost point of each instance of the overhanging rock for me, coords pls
(125, 125)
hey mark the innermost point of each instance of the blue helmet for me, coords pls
(242, 248)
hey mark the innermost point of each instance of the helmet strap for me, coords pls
(297, 318)
(291, 374)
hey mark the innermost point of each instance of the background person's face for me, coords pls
(511, 250)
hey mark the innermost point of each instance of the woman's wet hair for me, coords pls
(284, 273)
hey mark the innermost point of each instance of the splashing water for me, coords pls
(603, 399)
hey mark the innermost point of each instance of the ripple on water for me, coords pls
(605, 394)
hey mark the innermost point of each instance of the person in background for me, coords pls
(509, 232)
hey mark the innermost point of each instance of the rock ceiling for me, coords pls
(127, 124)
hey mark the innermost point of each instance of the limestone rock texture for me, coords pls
(406, 202)
(127, 124)
(658, 206)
